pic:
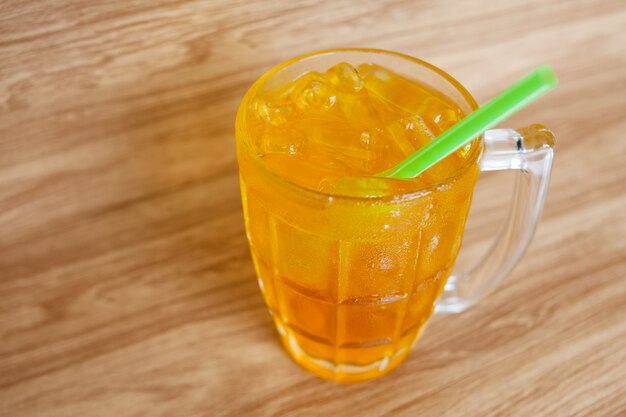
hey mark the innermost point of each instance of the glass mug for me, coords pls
(349, 281)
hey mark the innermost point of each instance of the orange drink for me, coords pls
(350, 264)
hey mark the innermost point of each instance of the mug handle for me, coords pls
(529, 151)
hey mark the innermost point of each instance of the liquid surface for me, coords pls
(350, 282)
(351, 122)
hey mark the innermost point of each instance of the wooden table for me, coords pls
(126, 287)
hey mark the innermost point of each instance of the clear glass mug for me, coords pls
(350, 282)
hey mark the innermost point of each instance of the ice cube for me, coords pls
(404, 137)
(292, 166)
(285, 139)
(314, 93)
(400, 138)
(274, 114)
(402, 95)
(418, 128)
(439, 113)
(339, 145)
(344, 77)
(358, 109)
(447, 118)
(335, 95)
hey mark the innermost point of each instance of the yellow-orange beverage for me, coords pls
(350, 265)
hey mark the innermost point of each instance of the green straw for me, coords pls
(514, 98)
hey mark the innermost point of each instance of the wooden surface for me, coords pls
(126, 287)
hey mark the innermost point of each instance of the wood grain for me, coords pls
(126, 286)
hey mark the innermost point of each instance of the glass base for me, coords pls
(344, 372)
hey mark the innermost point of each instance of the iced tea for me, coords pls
(350, 264)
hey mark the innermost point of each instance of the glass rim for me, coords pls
(241, 124)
